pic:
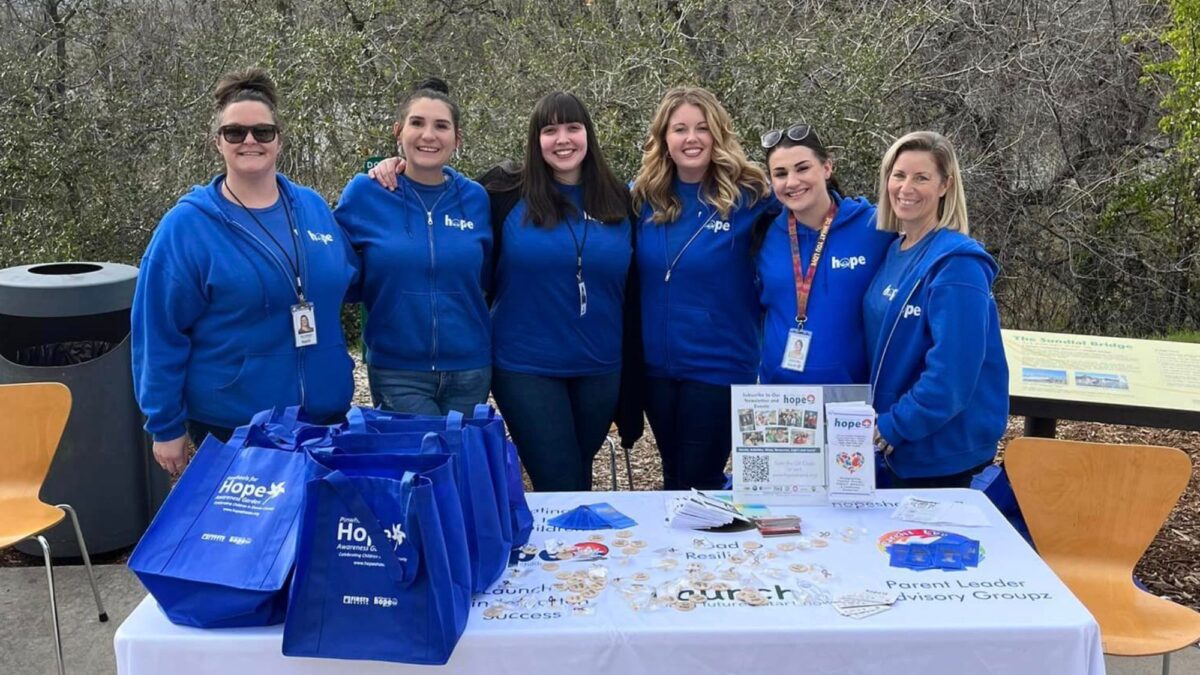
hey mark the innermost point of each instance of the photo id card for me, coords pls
(795, 350)
(304, 324)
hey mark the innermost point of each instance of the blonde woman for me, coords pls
(698, 198)
(938, 369)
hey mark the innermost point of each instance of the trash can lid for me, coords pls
(66, 289)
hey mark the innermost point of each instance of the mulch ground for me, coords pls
(1170, 567)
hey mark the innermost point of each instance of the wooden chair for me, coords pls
(32, 418)
(1093, 509)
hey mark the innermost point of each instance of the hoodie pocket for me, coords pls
(329, 380)
(464, 331)
(695, 338)
(263, 381)
(402, 332)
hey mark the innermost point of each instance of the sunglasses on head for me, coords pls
(796, 132)
(236, 133)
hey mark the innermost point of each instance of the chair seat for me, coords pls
(1134, 622)
(21, 518)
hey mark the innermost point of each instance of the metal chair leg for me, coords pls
(628, 469)
(1166, 664)
(612, 461)
(53, 604)
(87, 560)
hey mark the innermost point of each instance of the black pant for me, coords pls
(557, 423)
(691, 425)
(957, 480)
(198, 431)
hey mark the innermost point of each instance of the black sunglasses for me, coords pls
(236, 133)
(796, 132)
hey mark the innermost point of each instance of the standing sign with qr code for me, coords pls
(778, 445)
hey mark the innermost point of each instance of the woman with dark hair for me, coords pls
(232, 276)
(426, 251)
(814, 262)
(563, 221)
(563, 246)
(699, 198)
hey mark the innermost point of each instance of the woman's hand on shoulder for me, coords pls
(385, 172)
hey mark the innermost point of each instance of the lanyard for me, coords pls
(804, 284)
(667, 241)
(578, 246)
(294, 264)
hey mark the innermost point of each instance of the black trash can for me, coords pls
(69, 323)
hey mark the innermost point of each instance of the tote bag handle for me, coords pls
(403, 573)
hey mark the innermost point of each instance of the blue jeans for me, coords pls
(429, 392)
(691, 425)
(558, 424)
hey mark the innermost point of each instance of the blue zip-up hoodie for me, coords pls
(702, 324)
(853, 251)
(211, 319)
(422, 284)
(939, 373)
(536, 324)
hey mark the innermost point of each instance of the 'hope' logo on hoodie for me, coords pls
(910, 311)
(459, 223)
(326, 239)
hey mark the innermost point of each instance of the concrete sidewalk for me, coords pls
(27, 644)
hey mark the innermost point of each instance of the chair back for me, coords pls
(32, 419)
(1089, 503)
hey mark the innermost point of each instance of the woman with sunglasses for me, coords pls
(426, 251)
(563, 246)
(814, 261)
(699, 197)
(938, 367)
(233, 273)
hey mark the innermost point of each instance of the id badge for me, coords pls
(795, 350)
(582, 299)
(304, 324)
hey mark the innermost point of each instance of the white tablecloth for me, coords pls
(1008, 615)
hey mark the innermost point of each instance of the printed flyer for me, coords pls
(778, 445)
(851, 451)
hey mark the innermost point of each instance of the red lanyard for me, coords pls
(804, 284)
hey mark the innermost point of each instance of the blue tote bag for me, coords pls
(285, 429)
(487, 542)
(373, 579)
(439, 468)
(501, 453)
(219, 552)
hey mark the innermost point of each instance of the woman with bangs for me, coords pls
(699, 198)
(563, 246)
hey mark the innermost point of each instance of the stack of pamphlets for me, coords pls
(698, 511)
(949, 552)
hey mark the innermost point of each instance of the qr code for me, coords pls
(756, 469)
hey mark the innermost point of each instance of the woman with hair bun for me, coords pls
(234, 272)
(426, 252)
(938, 367)
(699, 198)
